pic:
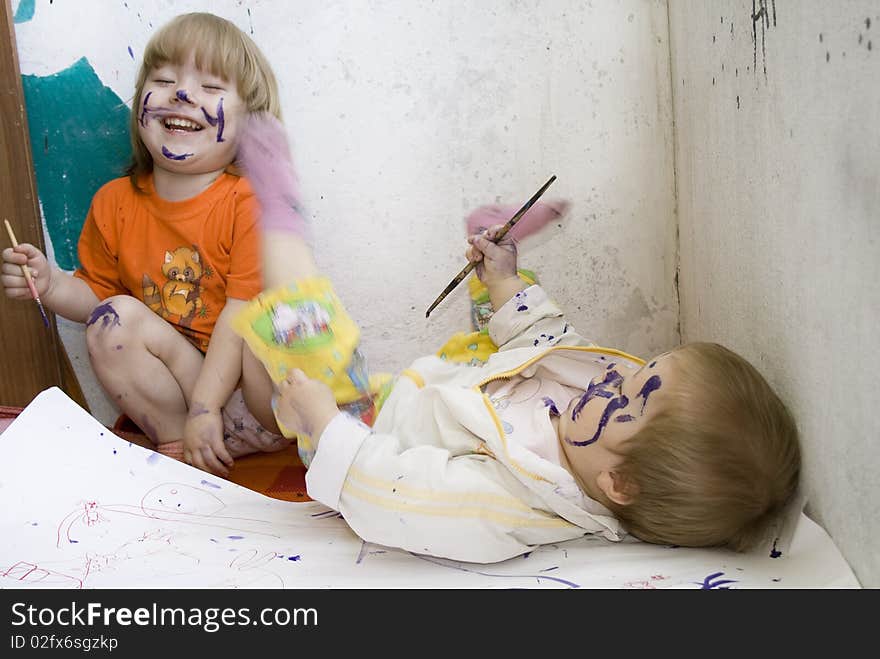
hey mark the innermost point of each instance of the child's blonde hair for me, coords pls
(717, 463)
(221, 49)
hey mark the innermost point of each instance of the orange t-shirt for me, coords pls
(183, 259)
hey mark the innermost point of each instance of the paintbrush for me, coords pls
(27, 275)
(507, 227)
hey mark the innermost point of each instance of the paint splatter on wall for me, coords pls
(79, 141)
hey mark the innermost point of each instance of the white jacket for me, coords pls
(436, 474)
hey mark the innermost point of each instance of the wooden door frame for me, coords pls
(32, 358)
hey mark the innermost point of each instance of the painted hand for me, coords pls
(203, 445)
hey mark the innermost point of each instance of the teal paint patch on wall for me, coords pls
(25, 11)
(79, 140)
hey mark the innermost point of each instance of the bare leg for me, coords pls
(144, 365)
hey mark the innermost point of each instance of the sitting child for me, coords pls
(552, 438)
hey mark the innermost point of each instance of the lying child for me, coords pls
(552, 438)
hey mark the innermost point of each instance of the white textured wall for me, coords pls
(779, 210)
(406, 114)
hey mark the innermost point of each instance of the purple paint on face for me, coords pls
(144, 109)
(106, 314)
(597, 390)
(221, 121)
(624, 418)
(173, 156)
(181, 94)
(613, 405)
(548, 402)
(653, 384)
(211, 120)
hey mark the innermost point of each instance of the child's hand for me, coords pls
(203, 445)
(495, 262)
(14, 282)
(305, 406)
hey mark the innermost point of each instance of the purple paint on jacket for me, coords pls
(548, 402)
(613, 405)
(173, 156)
(106, 314)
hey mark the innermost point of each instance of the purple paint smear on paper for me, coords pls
(458, 566)
(173, 156)
(209, 484)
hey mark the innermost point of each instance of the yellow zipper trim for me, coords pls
(414, 376)
(448, 497)
(595, 349)
(455, 511)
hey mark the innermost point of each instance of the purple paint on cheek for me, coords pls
(173, 156)
(221, 121)
(181, 94)
(548, 402)
(653, 384)
(597, 390)
(211, 120)
(611, 408)
(624, 418)
(106, 314)
(144, 109)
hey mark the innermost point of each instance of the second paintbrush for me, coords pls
(501, 233)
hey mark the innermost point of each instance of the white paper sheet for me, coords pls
(83, 508)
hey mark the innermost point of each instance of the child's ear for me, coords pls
(616, 487)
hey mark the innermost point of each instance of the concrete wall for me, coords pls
(405, 115)
(776, 105)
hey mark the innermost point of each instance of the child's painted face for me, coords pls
(189, 119)
(613, 408)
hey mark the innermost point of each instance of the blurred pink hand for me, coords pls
(536, 218)
(264, 154)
